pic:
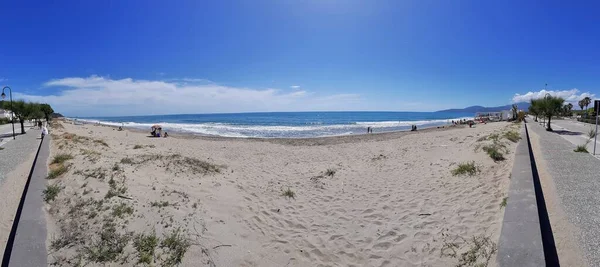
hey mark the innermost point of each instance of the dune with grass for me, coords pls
(427, 198)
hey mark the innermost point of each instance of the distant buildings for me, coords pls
(494, 116)
(5, 113)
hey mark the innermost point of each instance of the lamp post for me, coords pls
(12, 113)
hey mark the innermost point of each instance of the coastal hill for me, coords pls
(473, 109)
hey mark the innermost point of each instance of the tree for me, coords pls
(550, 106)
(515, 110)
(581, 105)
(586, 102)
(19, 110)
(534, 108)
(47, 110)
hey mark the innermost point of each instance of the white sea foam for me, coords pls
(309, 130)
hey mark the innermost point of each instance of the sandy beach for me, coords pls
(365, 200)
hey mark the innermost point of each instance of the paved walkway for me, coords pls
(14, 152)
(29, 243)
(577, 184)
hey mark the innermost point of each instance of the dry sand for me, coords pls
(392, 200)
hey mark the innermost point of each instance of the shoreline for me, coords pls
(317, 140)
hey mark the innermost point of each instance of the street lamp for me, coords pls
(12, 113)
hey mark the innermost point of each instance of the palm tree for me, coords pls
(551, 105)
(586, 102)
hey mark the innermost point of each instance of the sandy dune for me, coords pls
(392, 200)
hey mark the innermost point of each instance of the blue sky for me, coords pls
(230, 56)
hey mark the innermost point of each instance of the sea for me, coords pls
(285, 124)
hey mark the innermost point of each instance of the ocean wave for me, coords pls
(306, 130)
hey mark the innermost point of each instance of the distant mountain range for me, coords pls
(473, 109)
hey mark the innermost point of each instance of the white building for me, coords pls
(5, 113)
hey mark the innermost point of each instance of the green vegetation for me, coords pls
(330, 172)
(581, 148)
(548, 106)
(513, 136)
(121, 210)
(160, 204)
(110, 245)
(27, 111)
(289, 193)
(100, 141)
(51, 192)
(503, 203)
(175, 245)
(591, 133)
(145, 245)
(468, 168)
(494, 152)
(57, 171)
(127, 161)
(138, 146)
(479, 251)
(60, 158)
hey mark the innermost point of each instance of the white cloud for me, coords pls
(295, 86)
(572, 95)
(103, 96)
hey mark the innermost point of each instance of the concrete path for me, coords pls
(14, 152)
(28, 236)
(577, 184)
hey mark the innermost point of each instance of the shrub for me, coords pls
(330, 172)
(466, 168)
(60, 158)
(121, 210)
(581, 148)
(51, 192)
(138, 146)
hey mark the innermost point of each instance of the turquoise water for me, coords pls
(286, 124)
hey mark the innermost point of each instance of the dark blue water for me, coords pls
(286, 124)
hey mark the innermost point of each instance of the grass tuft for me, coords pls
(176, 245)
(289, 193)
(494, 152)
(60, 158)
(58, 171)
(330, 172)
(591, 133)
(513, 136)
(468, 168)
(127, 161)
(479, 251)
(503, 203)
(138, 146)
(581, 149)
(145, 245)
(121, 210)
(109, 246)
(51, 192)
(160, 204)
(100, 141)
